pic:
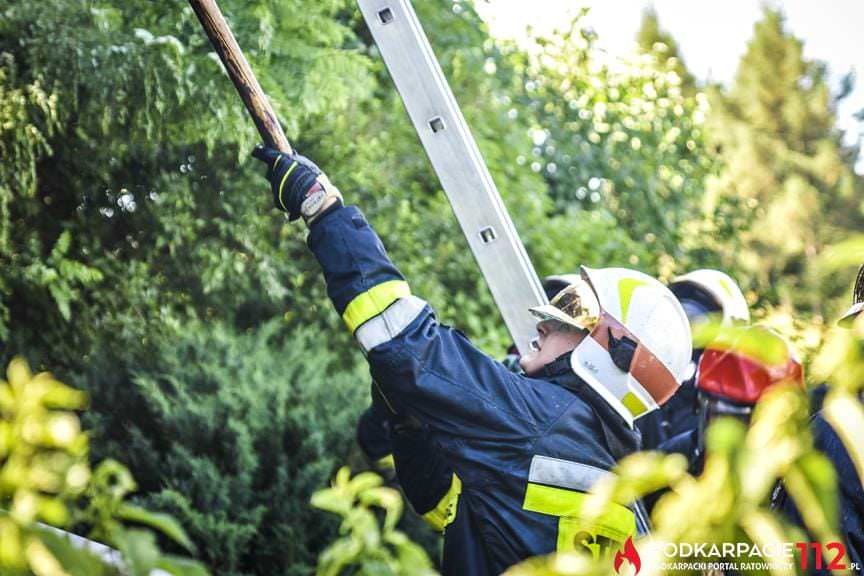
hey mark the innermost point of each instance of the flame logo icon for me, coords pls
(630, 554)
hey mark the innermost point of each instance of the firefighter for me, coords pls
(730, 383)
(826, 440)
(525, 448)
(404, 447)
(705, 295)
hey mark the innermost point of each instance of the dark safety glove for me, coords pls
(299, 187)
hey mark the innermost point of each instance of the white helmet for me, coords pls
(639, 343)
(719, 288)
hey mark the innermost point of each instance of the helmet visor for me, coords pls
(576, 306)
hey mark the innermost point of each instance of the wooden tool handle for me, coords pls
(241, 73)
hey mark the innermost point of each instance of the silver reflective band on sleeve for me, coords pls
(565, 473)
(390, 323)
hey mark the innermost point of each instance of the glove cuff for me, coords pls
(318, 198)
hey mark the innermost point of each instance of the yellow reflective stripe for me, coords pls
(374, 301)
(597, 540)
(554, 501)
(634, 404)
(616, 523)
(626, 286)
(282, 183)
(445, 512)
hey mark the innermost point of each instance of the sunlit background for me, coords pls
(712, 36)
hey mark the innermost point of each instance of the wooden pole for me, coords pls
(241, 73)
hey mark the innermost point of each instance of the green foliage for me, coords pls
(652, 39)
(120, 201)
(45, 477)
(42, 461)
(623, 139)
(364, 547)
(783, 166)
(110, 515)
(28, 117)
(231, 432)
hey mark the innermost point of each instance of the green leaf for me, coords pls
(113, 480)
(812, 484)
(61, 247)
(181, 566)
(61, 298)
(334, 500)
(76, 561)
(164, 523)
(139, 550)
(410, 555)
(338, 555)
(364, 481)
(846, 415)
(725, 436)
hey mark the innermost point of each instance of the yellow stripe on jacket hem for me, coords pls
(616, 522)
(445, 512)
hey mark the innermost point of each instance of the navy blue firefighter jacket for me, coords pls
(422, 471)
(850, 492)
(524, 449)
(679, 415)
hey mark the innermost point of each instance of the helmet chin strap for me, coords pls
(557, 367)
(622, 350)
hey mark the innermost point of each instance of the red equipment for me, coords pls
(727, 372)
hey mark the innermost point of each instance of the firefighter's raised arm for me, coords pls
(422, 367)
